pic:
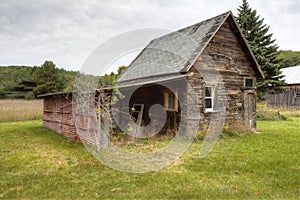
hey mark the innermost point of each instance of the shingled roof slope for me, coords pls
(175, 52)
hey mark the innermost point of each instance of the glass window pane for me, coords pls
(208, 103)
(249, 82)
(208, 91)
(171, 101)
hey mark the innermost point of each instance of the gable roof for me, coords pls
(176, 52)
(292, 74)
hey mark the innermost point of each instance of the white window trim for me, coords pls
(212, 98)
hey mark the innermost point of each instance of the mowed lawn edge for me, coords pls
(38, 163)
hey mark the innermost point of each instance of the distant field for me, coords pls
(20, 110)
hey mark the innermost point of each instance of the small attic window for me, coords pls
(249, 82)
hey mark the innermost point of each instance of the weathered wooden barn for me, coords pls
(210, 59)
(290, 98)
(193, 73)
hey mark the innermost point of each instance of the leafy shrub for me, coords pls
(29, 96)
(230, 133)
(200, 135)
(270, 115)
(234, 127)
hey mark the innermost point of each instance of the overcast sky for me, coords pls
(67, 31)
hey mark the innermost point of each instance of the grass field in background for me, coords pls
(261, 107)
(36, 163)
(20, 110)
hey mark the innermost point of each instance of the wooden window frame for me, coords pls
(212, 97)
(249, 78)
(166, 100)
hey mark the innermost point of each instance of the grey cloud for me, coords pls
(293, 8)
(67, 31)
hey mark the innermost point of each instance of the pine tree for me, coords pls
(48, 79)
(263, 46)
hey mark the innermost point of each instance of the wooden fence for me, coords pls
(287, 99)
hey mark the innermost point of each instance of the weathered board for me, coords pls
(226, 61)
(288, 99)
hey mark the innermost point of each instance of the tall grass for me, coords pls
(20, 110)
(267, 113)
(291, 112)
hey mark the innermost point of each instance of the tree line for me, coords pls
(27, 82)
(289, 58)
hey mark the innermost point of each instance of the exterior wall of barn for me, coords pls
(225, 64)
(58, 116)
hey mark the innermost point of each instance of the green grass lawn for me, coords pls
(36, 163)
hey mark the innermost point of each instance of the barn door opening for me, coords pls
(250, 109)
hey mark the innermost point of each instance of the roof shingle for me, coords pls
(175, 52)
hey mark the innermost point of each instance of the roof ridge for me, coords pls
(225, 17)
(187, 27)
(207, 20)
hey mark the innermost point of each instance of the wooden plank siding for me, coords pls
(288, 99)
(58, 116)
(226, 54)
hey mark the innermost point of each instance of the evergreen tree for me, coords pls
(289, 58)
(263, 46)
(109, 80)
(48, 79)
(16, 82)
